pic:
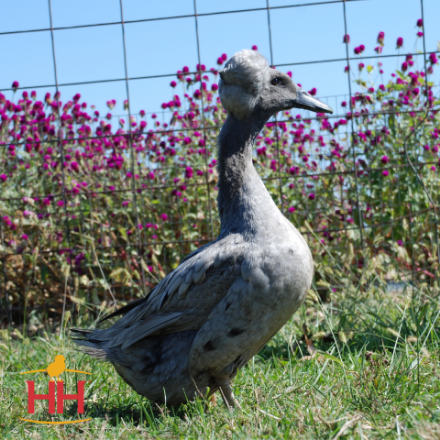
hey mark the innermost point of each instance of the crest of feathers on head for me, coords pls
(242, 81)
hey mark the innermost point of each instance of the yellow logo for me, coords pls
(55, 399)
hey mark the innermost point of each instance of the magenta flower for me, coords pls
(3, 177)
(420, 34)
(15, 85)
(346, 39)
(24, 237)
(433, 58)
(347, 69)
(60, 203)
(313, 91)
(404, 66)
(385, 173)
(164, 217)
(384, 159)
(292, 209)
(289, 74)
(381, 37)
(312, 196)
(220, 61)
(344, 104)
(399, 42)
(254, 47)
(188, 172)
(420, 23)
(378, 49)
(361, 66)
(214, 87)
(173, 84)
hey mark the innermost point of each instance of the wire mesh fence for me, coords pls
(94, 215)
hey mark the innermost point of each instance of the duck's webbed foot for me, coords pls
(227, 394)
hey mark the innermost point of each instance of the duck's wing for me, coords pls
(181, 301)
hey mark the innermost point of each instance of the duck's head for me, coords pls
(248, 84)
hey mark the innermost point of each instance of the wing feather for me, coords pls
(184, 299)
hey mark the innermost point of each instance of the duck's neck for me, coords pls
(235, 144)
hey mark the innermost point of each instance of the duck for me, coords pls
(208, 317)
(57, 367)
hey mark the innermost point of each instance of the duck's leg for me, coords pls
(227, 394)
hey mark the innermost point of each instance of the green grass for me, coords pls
(374, 375)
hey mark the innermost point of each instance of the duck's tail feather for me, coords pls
(91, 345)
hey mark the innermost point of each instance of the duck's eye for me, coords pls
(275, 81)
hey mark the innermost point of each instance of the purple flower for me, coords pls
(384, 159)
(385, 173)
(312, 196)
(399, 243)
(347, 69)
(164, 217)
(3, 177)
(420, 34)
(220, 61)
(346, 39)
(399, 42)
(173, 84)
(344, 104)
(214, 87)
(361, 66)
(404, 66)
(60, 203)
(188, 172)
(433, 58)
(224, 56)
(292, 209)
(313, 91)
(420, 23)
(254, 47)
(24, 237)
(381, 37)
(15, 85)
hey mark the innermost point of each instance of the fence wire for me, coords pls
(97, 264)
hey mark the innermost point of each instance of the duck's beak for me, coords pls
(306, 101)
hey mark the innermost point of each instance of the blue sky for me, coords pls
(299, 34)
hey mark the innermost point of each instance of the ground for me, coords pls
(369, 368)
